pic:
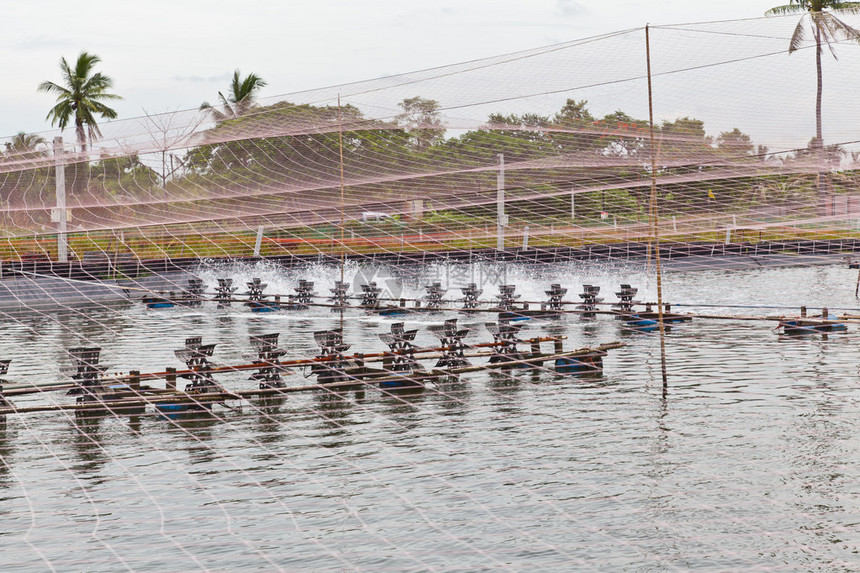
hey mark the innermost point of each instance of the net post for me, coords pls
(653, 212)
(259, 242)
(60, 177)
(171, 378)
(501, 218)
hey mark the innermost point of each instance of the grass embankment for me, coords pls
(303, 242)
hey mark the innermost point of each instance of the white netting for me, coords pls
(531, 170)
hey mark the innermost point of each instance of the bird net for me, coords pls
(467, 156)
(400, 199)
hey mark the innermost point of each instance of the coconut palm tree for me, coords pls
(819, 17)
(239, 99)
(81, 97)
(26, 144)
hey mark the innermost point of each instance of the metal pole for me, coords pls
(572, 204)
(501, 219)
(60, 177)
(653, 212)
(340, 153)
(259, 242)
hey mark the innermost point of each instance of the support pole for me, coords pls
(572, 203)
(340, 155)
(653, 213)
(526, 238)
(857, 288)
(259, 242)
(501, 218)
(60, 178)
(134, 380)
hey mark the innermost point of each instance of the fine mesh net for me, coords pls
(734, 112)
(232, 334)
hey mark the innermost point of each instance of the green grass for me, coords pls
(218, 245)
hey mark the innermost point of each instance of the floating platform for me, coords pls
(581, 363)
(178, 408)
(528, 314)
(633, 322)
(394, 369)
(110, 397)
(264, 306)
(668, 317)
(810, 326)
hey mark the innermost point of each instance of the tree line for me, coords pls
(377, 153)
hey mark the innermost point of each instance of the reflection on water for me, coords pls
(7, 448)
(87, 443)
(269, 426)
(402, 403)
(748, 459)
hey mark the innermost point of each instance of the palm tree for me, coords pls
(826, 28)
(26, 145)
(80, 98)
(239, 99)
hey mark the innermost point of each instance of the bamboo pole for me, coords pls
(653, 210)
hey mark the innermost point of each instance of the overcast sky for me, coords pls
(166, 56)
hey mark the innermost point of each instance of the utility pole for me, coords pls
(501, 218)
(572, 203)
(60, 211)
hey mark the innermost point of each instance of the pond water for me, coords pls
(748, 459)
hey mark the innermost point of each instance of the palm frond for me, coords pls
(785, 9)
(66, 71)
(216, 114)
(845, 7)
(101, 109)
(239, 98)
(85, 64)
(798, 38)
(51, 87)
(822, 33)
(837, 28)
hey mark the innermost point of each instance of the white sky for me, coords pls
(166, 56)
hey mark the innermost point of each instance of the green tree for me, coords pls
(735, 143)
(574, 127)
(826, 28)
(81, 98)
(830, 154)
(26, 146)
(683, 142)
(240, 98)
(623, 136)
(420, 119)
(522, 137)
(26, 179)
(574, 111)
